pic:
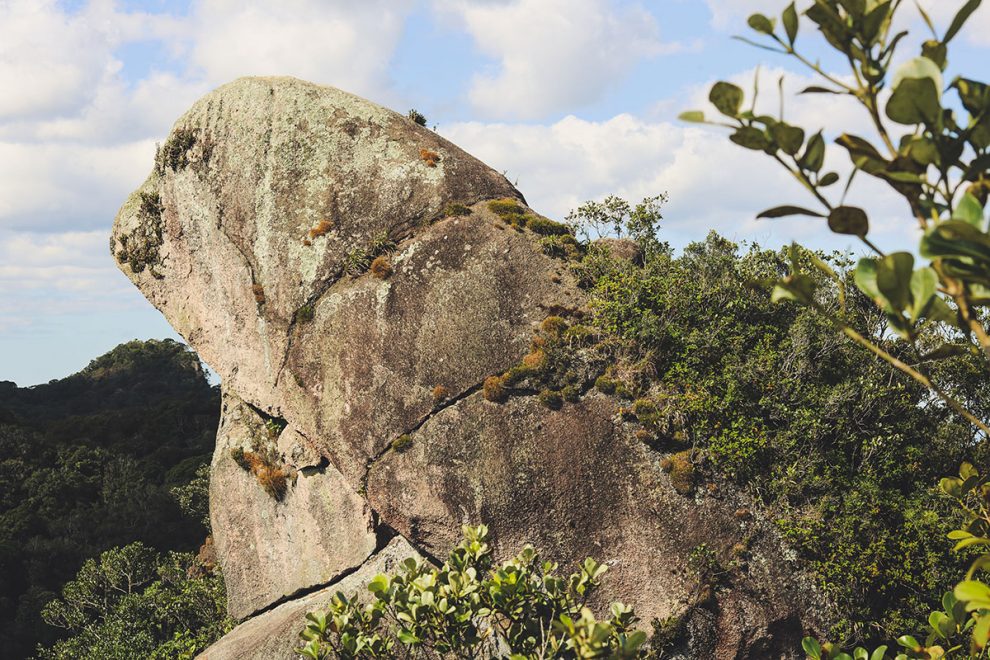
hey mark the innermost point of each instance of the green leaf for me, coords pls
(974, 593)
(784, 211)
(760, 23)
(879, 653)
(828, 179)
(814, 153)
(918, 68)
(973, 540)
(894, 273)
(378, 584)
(908, 642)
(727, 98)
(855, 8)
(815, 89)
(694, 116)
(407, 637)
(863, 154)
(938, 621)
(960, 19)
(955, 238)
(924, 282)
(923, 151)
(789, 138)
(951, 486)
(751, 138)
(975, 96)
(969, 210)
(914, 102)
(982, 629)
(848, 220)
(865, 277)
(936, 51)
(874, 21)
(790, 20)
(917, 92)
(799, 288)
(812, 647)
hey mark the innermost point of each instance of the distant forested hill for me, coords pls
(87, 463)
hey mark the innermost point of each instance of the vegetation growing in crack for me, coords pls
(174, 154)
(454, 210)
(139, 249)
(470, 607)
(381, 267)
(416, 117)
(264, 461)
(430, 157)
(360, 259)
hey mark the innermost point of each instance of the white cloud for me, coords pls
(43, 275)
(68, 186)
(53, 63)
(713, 184)
(977, 29)
(552, 54)
(732, 14)
(336, 42)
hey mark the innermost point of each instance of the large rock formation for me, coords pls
(353, 405)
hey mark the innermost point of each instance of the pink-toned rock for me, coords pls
(254, 235)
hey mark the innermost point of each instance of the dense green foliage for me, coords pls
(87, 463)
(929, 140)
(470, 608)
(133, 603)
(845, 450)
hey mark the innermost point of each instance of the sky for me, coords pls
(572, 99)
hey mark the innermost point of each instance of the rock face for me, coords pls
(341, 269)
(274, 634)
(272, 548)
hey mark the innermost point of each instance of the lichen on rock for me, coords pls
(352, 273)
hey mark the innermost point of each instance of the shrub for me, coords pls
(440, 394)
(517, 374)
(553, 325)
(304, 313)
(416, 117)
(322, 228)
(174, 154)
(356, 261)
(263, 463)
(681, 470)
(470, 608)
(547, 227)
(402, 443)
(551, 399)
(455, 209)
(535, 361)
(381, 267)
(505, 207)
(494, 390)
(646, 411)
(133, 602)
(605, 385)
(431, 158)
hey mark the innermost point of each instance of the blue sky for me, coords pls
(576, 99)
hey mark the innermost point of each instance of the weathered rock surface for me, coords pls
(268, 548)
(274, 634)
(576, 483)
(252, 235)
(246, 174)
